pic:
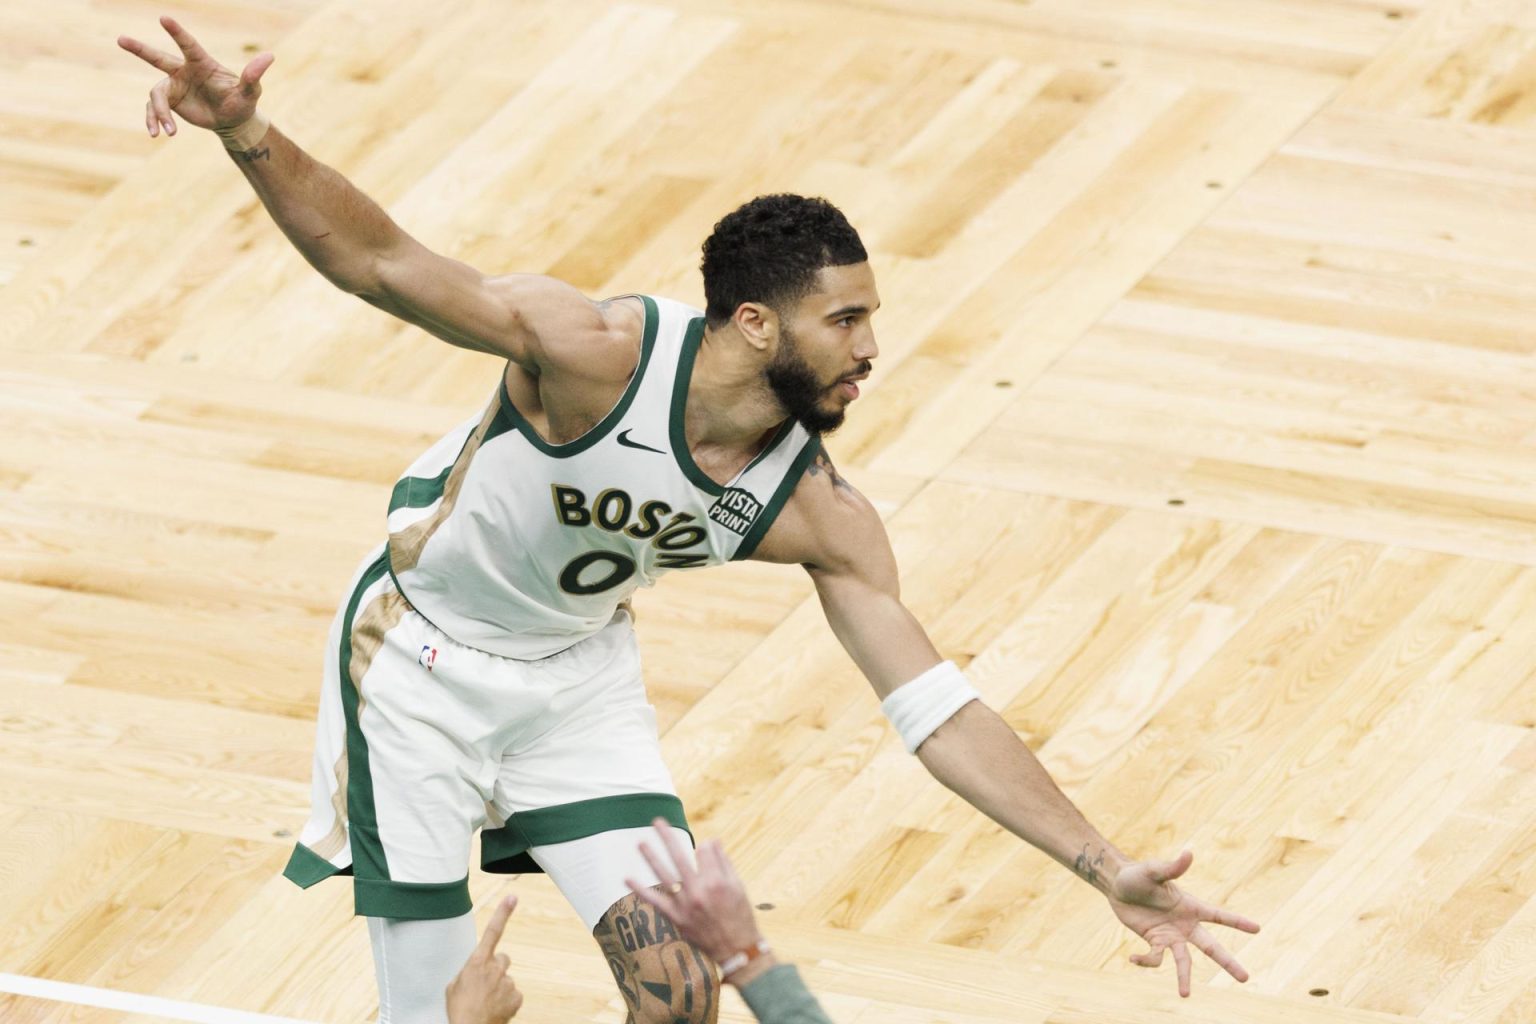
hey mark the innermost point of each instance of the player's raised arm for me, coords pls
(339, 230)
(837, 535)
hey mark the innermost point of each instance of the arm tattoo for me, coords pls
(1086, 868)
(250, 156)
(823, 464)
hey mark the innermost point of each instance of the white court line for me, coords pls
(132, 1002)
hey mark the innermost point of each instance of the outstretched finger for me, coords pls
(155, 58)
(1213, 949)
(664, 874)
(1168, 870)
(1181, 960)
(160, 102)
(711, 856)
(653, 896)
(254, 70)
(190, 48)
(675, 849)
(729, 868)
(1243, 924)
(495, 927)
(149, 119)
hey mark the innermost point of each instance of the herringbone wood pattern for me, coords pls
(1204, 427)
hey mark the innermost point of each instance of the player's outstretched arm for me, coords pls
(832, 530)
(339, 230)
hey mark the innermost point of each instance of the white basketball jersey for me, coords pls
(521, 548)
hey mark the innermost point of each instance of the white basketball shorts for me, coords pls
(421, 741)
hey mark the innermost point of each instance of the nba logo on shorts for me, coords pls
(427, 656)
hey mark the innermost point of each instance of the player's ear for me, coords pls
(758, 323)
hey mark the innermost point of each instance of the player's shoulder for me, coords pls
(570, 334)
(826, 520)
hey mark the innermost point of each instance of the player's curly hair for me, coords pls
(769, 250)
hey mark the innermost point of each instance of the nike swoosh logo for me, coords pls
(627, 443)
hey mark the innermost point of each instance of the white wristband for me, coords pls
(918, 707)
(736, 961)
(245, 135)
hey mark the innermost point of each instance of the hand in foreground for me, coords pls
(1147, 902)
(483, 992)
(199, 88)
(708, 903)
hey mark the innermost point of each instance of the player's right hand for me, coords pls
(484, 992)
(1146, 901)
(203, 91)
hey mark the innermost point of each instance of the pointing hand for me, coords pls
(483, 992)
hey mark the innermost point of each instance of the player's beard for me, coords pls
(799, 390)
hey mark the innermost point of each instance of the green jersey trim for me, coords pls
(421, 491)
(679, 436)
(418, 491)
(685, 359)
(785, 429)
(608, 422)
(775, 505)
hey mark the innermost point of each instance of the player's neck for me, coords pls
(729, 405)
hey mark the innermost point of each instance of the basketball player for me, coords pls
(483, 670)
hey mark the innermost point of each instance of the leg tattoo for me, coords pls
(663, 979)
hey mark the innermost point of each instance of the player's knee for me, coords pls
(677, 985)
(663, 978)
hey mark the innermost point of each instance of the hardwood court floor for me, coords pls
(1204, 426)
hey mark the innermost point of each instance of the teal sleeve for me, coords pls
(780, 997)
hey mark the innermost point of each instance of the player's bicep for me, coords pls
(849, 558)
(457, 303)
(878, 631)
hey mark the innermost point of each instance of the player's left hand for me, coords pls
(196, 87)
(1147, 902)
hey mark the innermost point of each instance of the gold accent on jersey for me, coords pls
(380, 616)
(406, 546)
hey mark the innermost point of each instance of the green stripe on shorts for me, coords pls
(374, 893)
(306, 867)
(368, 860)
(504, 851)
(416, 901)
